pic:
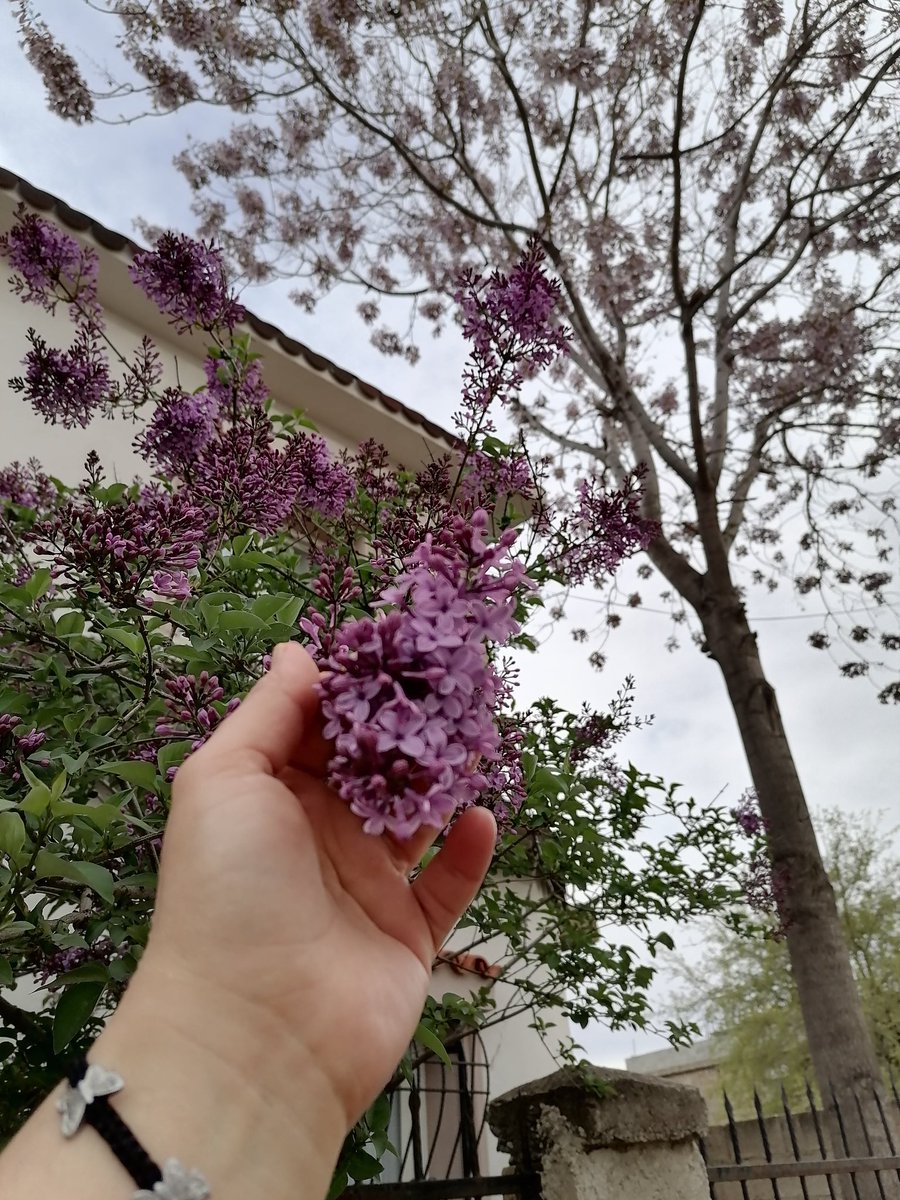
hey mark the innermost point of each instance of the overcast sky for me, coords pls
(846, 744)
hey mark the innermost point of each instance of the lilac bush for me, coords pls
(134, 617)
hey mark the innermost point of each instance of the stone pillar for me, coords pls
(593, 1133)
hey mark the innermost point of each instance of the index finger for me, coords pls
(277, 725)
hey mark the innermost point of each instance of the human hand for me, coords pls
(287, 967)
(275, 905)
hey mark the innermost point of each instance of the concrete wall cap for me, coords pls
(638, 1109)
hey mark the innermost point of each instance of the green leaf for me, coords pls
(141, 774)
(74, 765)
(100, 815)
(51, 866)
(12, 834)
(172, 755)
(88, 972)
(361, 1165)
(38, 583)
(338, 1185)
(125, 637)
(58, 786)
(379, 1115)
(6, 973)
(111, 494)
(70, 624)
(38, 799)
(73, 1012)
(428, 1038)
(240, 618)
(290, 610)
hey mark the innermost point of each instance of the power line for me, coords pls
(663, 612)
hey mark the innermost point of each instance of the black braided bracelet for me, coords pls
(124, 1145)
(87, 1102)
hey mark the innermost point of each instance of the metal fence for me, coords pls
(528, 1187)
(798, 1155)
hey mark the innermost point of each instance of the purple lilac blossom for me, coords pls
(604, 528)
(748, 816)
(410, 697)
(102, 951)
(118, 548)
(168, 585)
(51, 266)
(235, 387)
(16, 746)
(27, 485)
(488, 477)
(182, 425)
(191, 711)
(255, 482)
(187, 281)
(65, 386)
(510, 322)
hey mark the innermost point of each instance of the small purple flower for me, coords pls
(27, 485)
(170, 585)
(102, 951)
(187, 281)
(118, 548)
(16, 746)
(748, 816)
(235, 387)
(510, 323)
(256, 482)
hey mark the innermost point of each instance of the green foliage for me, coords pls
(741, 990)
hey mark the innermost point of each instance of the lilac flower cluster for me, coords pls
(187, 281)
(181, 427)
(604, 528)
(102, 951)
(748, 816)
(510, 323)
(120, 548)
(505, 790)
(191, 711)
(489, 477)
(16, 746)
(65, 386)
(27, 485)
(67, 94)
(764, 885)
(235, 387)
(50, 266)
(410, 697)
(321, 625)
(253, 482)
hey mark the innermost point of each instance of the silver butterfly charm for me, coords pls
(176, 1184)
(97, 1081)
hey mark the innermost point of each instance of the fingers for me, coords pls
(448, 884)
(277, 724)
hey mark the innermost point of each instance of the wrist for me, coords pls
(220, 1091)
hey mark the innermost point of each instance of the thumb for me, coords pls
(450, 881)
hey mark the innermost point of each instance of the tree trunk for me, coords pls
(840, 1045)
